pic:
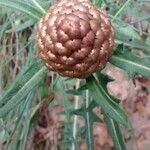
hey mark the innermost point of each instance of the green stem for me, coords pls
(75, 121)
(89, 124)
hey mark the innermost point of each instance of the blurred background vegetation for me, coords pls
(37, 106)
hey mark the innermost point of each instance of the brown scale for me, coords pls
(75, 38)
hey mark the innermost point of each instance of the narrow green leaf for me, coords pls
(92, 105)
(74, 92)
(108, 105)
(129, 37)
(22, 26)
(38, 6)
(23, 91)
(65, 102)
(94, 117)
(79, 91)
(23, 111)
(3, 28)
(27, 72)
(121, 9)
(68, 130)
(89, 124)
(79, 112)
(133, 64)
(22, 6)
(25, 131)
(97, 2)
(116, 134)
(104, 80)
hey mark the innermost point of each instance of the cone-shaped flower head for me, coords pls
(75, 38)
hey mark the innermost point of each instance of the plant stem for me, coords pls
(75, 121)
(89, 124)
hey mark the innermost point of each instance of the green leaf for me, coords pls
(16, 93)
(4, 27)
(129, 37)
(22, 6)
(22, 26)
(116, 134)
(97, 2)
(107, 103)
(131, 63)
(27, 72)
(79, 112)
(92, 105)
(68, 139)
(79, 91)
(127, 31)
(24, 108)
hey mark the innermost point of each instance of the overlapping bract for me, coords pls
(74, 38)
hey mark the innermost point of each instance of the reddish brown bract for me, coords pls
(74, 38)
